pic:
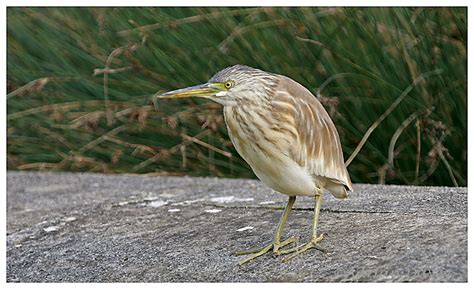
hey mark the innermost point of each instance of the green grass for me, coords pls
(58, 118)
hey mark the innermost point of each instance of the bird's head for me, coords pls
(231, 86)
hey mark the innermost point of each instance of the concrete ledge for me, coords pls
(71, 227)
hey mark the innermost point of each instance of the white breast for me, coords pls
(267, 156)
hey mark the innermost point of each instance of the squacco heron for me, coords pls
(286, 136)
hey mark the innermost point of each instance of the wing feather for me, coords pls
(317, 146)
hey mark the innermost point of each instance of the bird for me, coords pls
(286, 136)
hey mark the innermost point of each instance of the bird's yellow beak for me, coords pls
(202, 90)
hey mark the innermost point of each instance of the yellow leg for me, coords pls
(315, 239)
(277, 244)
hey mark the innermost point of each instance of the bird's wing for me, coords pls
(317, 147)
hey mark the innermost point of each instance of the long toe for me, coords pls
(259, 252)
(314, 243)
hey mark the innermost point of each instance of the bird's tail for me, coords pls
(337, 190)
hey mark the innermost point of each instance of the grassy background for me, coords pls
(80, 82)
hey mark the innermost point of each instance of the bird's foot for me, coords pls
(314, 243)
(261, 251)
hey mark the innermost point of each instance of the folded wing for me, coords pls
(317, 147)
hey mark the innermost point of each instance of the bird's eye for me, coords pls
(228, 84)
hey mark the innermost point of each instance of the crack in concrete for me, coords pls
(299, 209)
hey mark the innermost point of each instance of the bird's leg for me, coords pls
(277, 244)
(315, 239)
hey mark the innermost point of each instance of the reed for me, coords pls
(80, 82)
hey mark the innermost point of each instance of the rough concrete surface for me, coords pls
(74, 227)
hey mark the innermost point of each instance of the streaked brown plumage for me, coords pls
(284, 134)
(295, 127)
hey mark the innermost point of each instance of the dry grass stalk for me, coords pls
(38, 166)
(127, 49)
(192, 19)
(388, 111)
(99, 71)
(37, 85)
(397, 134)
(418, 150)
(172, 150)
(206, 145)
(139, 148)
